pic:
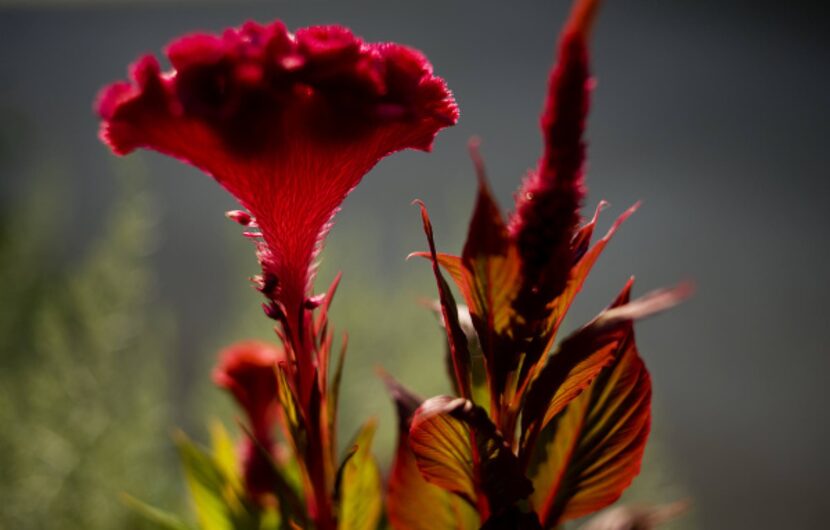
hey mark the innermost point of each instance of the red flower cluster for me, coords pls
(289, 124)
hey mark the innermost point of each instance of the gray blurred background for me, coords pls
(715, 114)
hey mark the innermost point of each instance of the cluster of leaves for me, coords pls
(534, 438)
(90, 337)
(266, 483)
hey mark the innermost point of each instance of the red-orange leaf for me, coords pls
(580, 271)
(582, 356)
(455, 335)
(491, 260)
(598, 445)
(443, 448)
(458, 448)
(593, 448)
(412, 503)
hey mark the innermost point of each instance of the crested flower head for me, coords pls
(248, 370)
(287, 123)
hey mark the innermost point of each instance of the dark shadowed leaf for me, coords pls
(455, 336)
(334, 390)
(285, 490)
(513, 519)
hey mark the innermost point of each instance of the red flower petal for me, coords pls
(288, 124)
(247, 370)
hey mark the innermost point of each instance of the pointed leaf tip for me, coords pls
(473, 145)
(647, 305)
(582, 17)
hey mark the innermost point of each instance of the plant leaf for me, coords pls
(493, 277)
(443, 448)
(160, 518)
(290, 506)
(359, 493)
(412, 503)
(224, 453)
(584, 354)
(637, 517)
(333, 397)
(291, 412)
(479, 387)
(458, 448)
(582, 268)
(593, 449)
(455, 336)
(207, 486)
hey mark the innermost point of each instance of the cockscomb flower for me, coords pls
(287, 123)
(248, 370)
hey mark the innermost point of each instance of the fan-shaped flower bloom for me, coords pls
(248, 370)
(288, 124)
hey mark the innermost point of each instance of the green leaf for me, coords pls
(162, 519)
(359, 488)
(208, 486)
(224, 454)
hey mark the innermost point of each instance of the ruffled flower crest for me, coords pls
(288, 124)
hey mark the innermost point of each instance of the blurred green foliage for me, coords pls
(82, 370)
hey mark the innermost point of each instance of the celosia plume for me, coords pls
(288, 124)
